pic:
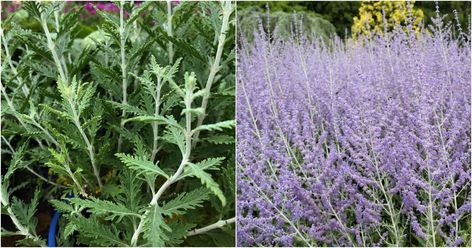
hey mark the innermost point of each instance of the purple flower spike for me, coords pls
(354, 142)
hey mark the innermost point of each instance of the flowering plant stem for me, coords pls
(185, 159)
(60, 65)
(170, 48)
(227, 10)
(215, 225)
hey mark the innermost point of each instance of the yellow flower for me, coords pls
(372, 14)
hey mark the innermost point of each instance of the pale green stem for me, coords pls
(52, 48)
(173, 179)
(281, 213)
(10, 63)
(227, 10)
(89, 145)
(155, 125)
(169, 31)
(387, 196)
(22, 229)
(451, 178)
(215, 225)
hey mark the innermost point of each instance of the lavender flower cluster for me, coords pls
(355, 143)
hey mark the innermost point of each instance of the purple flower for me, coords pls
(354, 143)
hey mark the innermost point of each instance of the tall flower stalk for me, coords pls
(360, 142)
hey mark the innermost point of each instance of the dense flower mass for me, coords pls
(355, 143)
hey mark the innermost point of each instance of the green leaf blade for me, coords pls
(141, 165)
(207, 180)
(185, 201)
(216, 126)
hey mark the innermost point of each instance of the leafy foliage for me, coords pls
(185, 201)
(379, 17)
(114, 117)
(141, 165)
(281, 22)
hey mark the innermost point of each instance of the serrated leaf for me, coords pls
(92, 232)
(52, 110)
(128, 108)
(31, 242)
(216, 126)
(185, 201)
(141, 165)
(103, 207)
(220, 139)
(184, 46)
(57, 168)
(148, 118)
(16, 161)
(147, 82)
(69, 229)
(194, 111)
(61, 206)
(154, 227)
(84, 99)
(131, 194)
(25, 213)
(207, 164)
(106, 71)
(206, 179)
(175, 136)
(6, 233)
(179, 230)
(210, 163)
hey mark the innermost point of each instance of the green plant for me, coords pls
(135, 120)
(281, 21)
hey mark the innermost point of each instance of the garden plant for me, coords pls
(124, 127)
(356, 142)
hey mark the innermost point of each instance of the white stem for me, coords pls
(216, 64)
(43, 178)
(155, 125)
(52, 48)
(10, 62)
(87, 142)
(215, 225)
(169, 31)
(173, 179)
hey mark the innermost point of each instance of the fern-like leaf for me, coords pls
(175, 136)
(25, 213)
(206, 179)
(220, 139)
(92, 232)
(154, 227)
(185, 201)
(141, 165)
(159, 119)
(61, 206)
(128, 108)
(103, 207)
(216, 126)
(207, 164)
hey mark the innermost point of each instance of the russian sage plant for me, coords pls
(360, 142)
(127, 131)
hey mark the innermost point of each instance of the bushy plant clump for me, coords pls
(358, 143)
(127, 132)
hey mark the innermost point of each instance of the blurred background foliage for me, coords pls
(379, 16)
(319, 18)
(324, 15)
